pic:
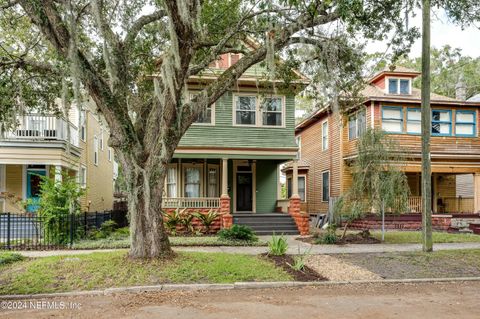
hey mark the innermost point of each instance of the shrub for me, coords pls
(207, 219)
(277, 246)
(186, 220)
(328, 238)
(172, 221)
(238, 232)
(8, 258)
(108, 227)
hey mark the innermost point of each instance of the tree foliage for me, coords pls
(377, 178)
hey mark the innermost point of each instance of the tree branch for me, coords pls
(140, 23)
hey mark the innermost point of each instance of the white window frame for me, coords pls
(258, 111)
(101, 140)
(212, 107)
(329, 185)
(357, 126)
(398, 78)
(83, 127)
(192, 165)
(207, 186)
(177, 180)
(290, 178)
(109, 154)
(95, 150)
(325, 137)
(82, 176)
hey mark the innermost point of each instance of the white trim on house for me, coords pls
(82, 171)
(237, 163)
(258, 111)
(325, 147)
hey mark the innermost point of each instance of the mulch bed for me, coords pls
(362, 237)
(307, 274)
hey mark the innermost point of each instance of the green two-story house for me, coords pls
(236, 146)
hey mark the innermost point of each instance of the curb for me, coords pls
(234, 286)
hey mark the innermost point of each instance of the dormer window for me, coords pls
(398, 86)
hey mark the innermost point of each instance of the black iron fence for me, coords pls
(33, 232)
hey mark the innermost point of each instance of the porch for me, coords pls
(19, 182)
(451, 193)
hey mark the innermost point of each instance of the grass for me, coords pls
(401, 265)
(412, 237)
(9, 258)
(113, 243)
(114, 269)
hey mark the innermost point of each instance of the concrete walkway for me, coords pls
(294, 247)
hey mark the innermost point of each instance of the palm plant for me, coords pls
(172, 221)
(207, 219)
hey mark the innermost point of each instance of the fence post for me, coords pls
(72, 220)
(8, 231)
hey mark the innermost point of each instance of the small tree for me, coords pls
(377, 181)
(57, 202)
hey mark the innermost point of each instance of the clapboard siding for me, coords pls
(224, 134)
(266, 188)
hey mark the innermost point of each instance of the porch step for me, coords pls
(267, 224)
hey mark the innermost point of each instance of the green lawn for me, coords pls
(112, 243)
(410, 237)
(114, 269)
(9, 258)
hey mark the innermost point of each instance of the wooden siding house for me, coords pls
(45, 144)
(328, 143)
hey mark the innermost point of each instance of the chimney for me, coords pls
(461, 89)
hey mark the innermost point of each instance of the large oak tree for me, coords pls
(133, 58)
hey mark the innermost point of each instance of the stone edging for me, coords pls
(237, 285)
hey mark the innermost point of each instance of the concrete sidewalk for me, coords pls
(294, 247)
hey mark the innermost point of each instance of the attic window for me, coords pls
(398, 86)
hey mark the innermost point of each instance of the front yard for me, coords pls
(114, 269)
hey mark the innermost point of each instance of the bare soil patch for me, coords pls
(284, 262)
(363, 237)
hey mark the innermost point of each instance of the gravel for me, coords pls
(338, 270)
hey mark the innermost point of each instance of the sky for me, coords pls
(443, 32)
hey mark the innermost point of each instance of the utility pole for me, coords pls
(427, 244)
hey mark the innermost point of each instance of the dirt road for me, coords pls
(442, 300)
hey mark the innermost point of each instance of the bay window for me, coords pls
(465, 123)
(392, 119)
(441, 122)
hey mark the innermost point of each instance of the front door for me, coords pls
(244, 191)
(34, 178)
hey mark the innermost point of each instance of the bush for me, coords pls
(171, 221)
(207, 219)
(277, 246)
(8, 258)
(328, 238)
(106, 230)
(238, 232)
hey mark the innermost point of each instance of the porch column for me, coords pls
(295, 179)
(224, 177)
(227, 218)
(476, 192)
(58, 173)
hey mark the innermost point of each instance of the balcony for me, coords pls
(44, 128)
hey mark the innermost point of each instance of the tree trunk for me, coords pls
(147, 232)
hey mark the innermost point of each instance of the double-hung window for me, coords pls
(172, 181)
(465, 123)
(356, 125)
(192, 178)
(301, 188)
(441, 122)
(212, 187)
(325, 136)
(272, 111)
(245, 110)
(325, 186)
(82, 176)
(392, 119)
(414, 121)
(95, 150)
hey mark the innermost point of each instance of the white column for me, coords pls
(58, 173)
(295, 179)
(224, 177)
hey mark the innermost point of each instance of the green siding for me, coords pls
(267, 179)
(224, 134)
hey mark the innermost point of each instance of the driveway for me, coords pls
(425, 300)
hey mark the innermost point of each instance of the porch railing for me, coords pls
(191, 202)
(43, 127)
(415, 204)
